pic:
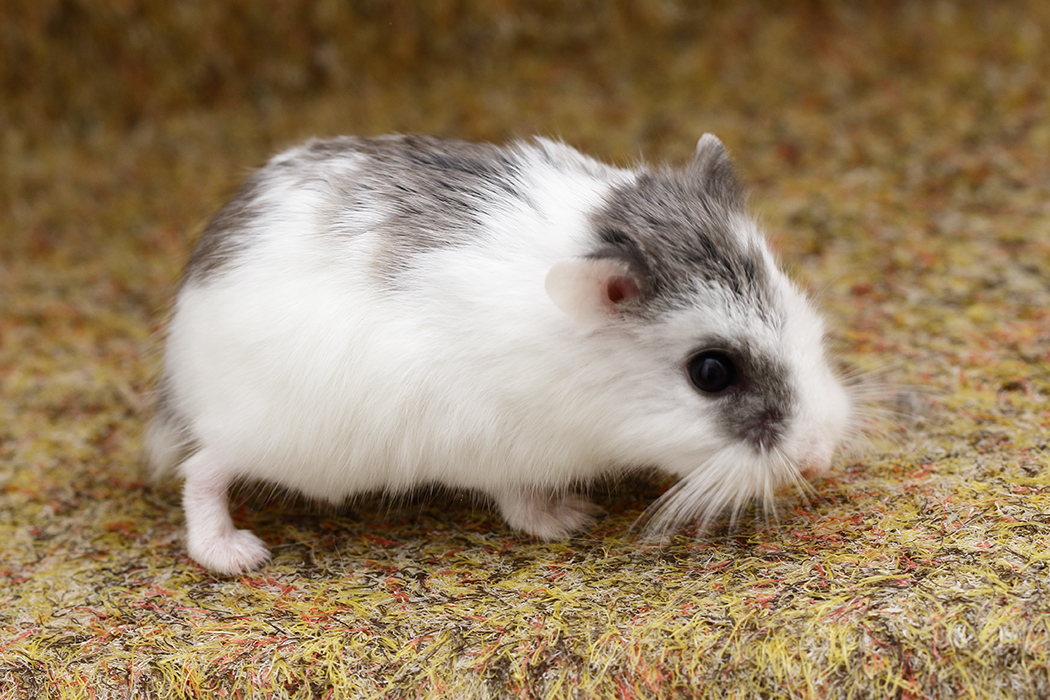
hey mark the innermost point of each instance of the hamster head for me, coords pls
(729, 381)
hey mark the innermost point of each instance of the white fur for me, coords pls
(299, 367)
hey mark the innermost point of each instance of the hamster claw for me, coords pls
(547, 514)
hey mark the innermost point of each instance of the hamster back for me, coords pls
(386, 313)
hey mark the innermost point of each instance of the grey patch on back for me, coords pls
(226, 234)
(431, 192)
(674, 229)
(428, 193)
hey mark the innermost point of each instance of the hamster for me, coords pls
(379, 314)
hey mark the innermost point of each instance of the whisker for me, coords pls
(769, 506)
(793, 477)
(854, 372)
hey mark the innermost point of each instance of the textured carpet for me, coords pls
(899, 155)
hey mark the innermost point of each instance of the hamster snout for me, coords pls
(386, 313)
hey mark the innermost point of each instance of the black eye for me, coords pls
(712, 371)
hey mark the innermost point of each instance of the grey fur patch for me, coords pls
(674, 229)
(712, 166)
(757, 411)
(163, 406)
(431, 192)
(182, 442)
(758, 408)
(427, 192)
(226, 234)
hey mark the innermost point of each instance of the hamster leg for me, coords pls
(546, 514)
(212, 539)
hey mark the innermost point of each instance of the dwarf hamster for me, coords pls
(378, 314)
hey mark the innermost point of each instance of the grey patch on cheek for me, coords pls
(757, 421)
(226, 234)
(758, 410)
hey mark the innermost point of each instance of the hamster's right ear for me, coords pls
(591, 290)
(714, 170)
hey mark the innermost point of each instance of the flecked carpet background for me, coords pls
(899, 154)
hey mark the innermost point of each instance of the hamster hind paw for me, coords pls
(547, 515)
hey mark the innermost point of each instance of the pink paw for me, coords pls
(549, 516)
(232, 552)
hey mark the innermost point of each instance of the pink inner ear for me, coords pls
(620, 288)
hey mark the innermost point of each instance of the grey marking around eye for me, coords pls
(759, 409)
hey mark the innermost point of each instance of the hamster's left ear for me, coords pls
(714, 171)
(592, 290)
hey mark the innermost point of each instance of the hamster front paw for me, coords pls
(547, 514)
(228, 553)
(212, 539)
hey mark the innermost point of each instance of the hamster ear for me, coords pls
(591, 290)
(714, 169)
(710, 147)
